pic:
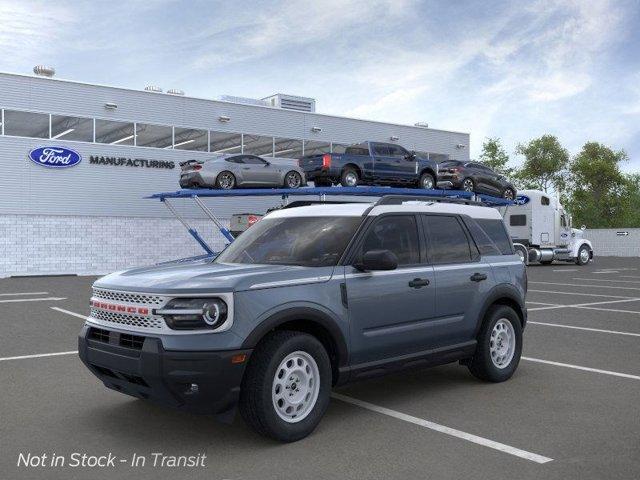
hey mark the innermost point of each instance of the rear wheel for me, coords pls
(499, 345)
(509, 193)
(226, 180)
(468, 185)
(427, 181)
(285, 390)
(349, 178)
(584, 255)
(292, 179)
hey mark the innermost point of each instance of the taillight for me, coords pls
(455, 169)
(326, 160)
(197, 167)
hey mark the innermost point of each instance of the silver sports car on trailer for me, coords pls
(241, 170)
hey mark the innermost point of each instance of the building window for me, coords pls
(224, 142)
(114, 133)
(258, 145)
(287, 148)
(26, 124)
(312, 147)
(158, 136)
(190, 139)
(72, 128)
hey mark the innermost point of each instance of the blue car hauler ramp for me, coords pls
(321, 192)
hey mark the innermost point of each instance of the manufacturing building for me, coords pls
(91, 217)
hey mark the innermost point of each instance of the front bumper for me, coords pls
(139, 366)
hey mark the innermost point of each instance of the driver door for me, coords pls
(259, 171)
(390, 311)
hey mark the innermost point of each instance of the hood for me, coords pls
(196, 276)
(577, 232)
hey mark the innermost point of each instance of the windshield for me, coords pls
(304, 241)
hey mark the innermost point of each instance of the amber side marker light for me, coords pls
(239, 358)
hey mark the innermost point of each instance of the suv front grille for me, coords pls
(150, 322)
(124, 297)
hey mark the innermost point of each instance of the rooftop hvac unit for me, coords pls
(175, 91)
(153, 88)
(44, 71)
(292, 102)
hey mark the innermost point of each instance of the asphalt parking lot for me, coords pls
(571, 410)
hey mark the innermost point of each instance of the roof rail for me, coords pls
(400, 199)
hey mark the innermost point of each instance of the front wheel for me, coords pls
(468, 185)
(292, 179)
(285, 390)
(509, 194)
(499, 345)
(427, 182)
(583, 255)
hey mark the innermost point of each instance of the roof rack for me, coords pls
(400, 199)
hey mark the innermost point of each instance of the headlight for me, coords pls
(194, 313)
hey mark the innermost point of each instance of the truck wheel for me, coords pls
(285, 390)
(349, 178)
(427, 182)
(522, 252)
(499, 345)
(583, 255)
(225, 180)
(468, 185)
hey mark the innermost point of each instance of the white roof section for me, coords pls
(358, 209)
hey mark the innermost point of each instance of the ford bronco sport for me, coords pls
(307, 299)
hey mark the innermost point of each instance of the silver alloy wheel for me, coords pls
(467, 185)
(295, 388)
(351, 179)
(502, 344)
(584, 255)
(226, 180)
(293, 180)
(427, 182)
(508, 194)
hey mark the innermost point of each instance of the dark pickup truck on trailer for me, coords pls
(370, 163)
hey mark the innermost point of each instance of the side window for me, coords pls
(397, 151)
(563, 221)
(381, 150)
(397, 233)
(517, 220)
(448, 242)
(238, 159)
(497, 233)
(252, 160)
(544, 200)
(485, 245)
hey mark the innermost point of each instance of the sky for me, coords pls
(513, 70)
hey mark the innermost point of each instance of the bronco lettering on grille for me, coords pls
(119, 308)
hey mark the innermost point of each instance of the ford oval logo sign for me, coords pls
(522, 200)
(55, 157)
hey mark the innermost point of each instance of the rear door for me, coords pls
(462, 280)
(390, 312)
(383, 162)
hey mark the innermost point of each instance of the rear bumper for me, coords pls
(454, 181)
(192, 180)
(148, 371)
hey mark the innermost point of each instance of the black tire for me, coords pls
(322, 182)
(509, 193)
(221, 180)
(256, 403)
(468, 185)
(579, 260)
(481, 364)
(297, 182)
(346, 176)
(427, 181)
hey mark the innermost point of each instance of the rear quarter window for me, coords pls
(496, 231)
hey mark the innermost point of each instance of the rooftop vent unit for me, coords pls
(422, 124)
(175, 91)
(244, 100)
(292, 102)
(153, 88)
(44, 71)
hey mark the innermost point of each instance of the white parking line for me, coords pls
(607, 309)
(39, 355)
(606, 280)
(22, 293)
(585, 305)
(579, 294)
(605, 272)
(629, 276)
(566, 270)
(47, 299)
(590, 286)
(73, 314)
(485, 442)
(579, 367)
(540, 303)
(598, 330)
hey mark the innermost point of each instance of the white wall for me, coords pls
(608, 243)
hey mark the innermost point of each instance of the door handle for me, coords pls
(478, 277)
(246, 168)
(419, 282)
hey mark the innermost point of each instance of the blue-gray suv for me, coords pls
(307, 299)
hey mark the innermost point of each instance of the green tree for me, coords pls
(600, 194)
(632, 192)
(545, 164)
(495, 156)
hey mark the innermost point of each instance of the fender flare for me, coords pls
(312, 314)
(502, 292)
(578, 244)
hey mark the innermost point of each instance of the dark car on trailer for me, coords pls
(476, 177)
(371, 163)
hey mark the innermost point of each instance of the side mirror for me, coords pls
(267, 164)
(583, 227)
(410, 156)
(377, 260)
